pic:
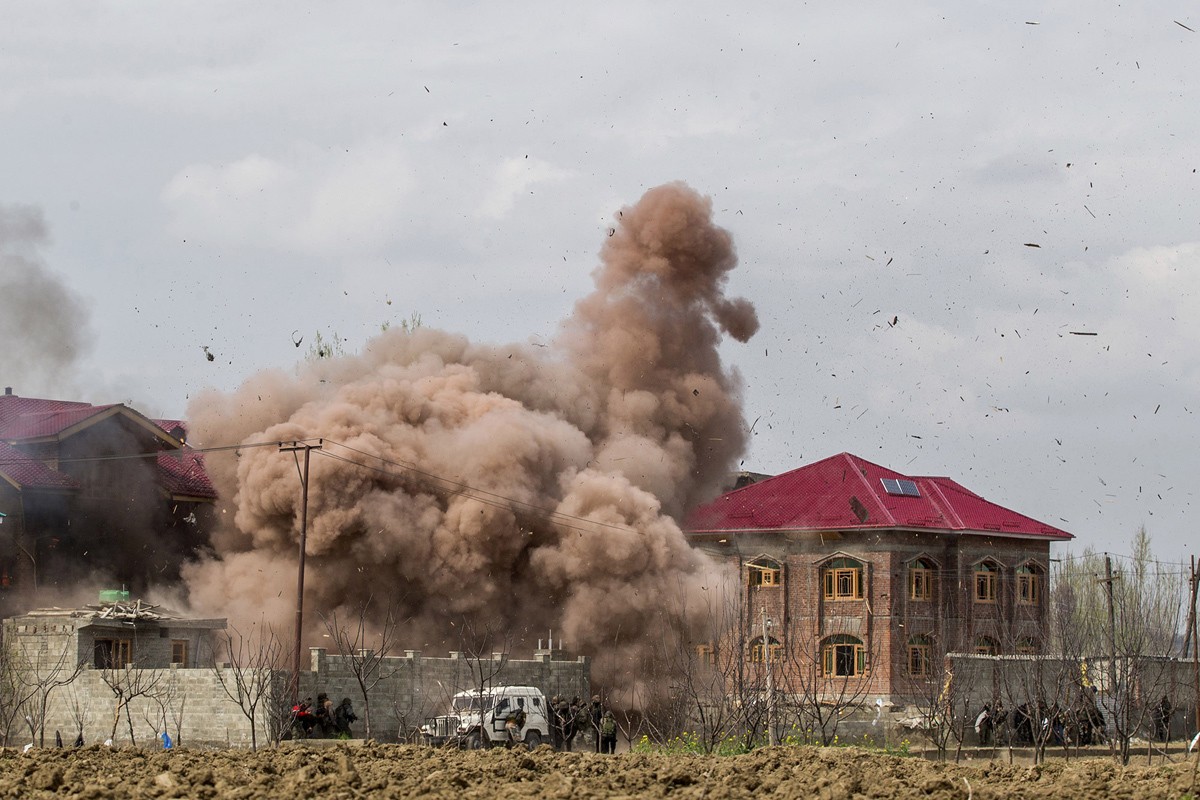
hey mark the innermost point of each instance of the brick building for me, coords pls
(92, 491)
(869, 577)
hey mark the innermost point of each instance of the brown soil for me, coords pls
(375, 770)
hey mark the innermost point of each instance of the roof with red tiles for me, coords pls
(182, 473)
(29, 473)
(848, 493)
(23, 419)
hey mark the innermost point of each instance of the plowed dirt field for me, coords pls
(377, 770)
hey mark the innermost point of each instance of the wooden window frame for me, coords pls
(920, 582)
(1029, 587)
(755, 656)
(986, 646)
(920, 655)
(985, 584)
(759, 575)
(841, 583)
(119, 652)
(836, 653)
(179, 652)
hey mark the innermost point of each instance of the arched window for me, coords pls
(1029, 585)
(763, 572)
(920, 580)
(986, 646)
(920, 656)
(985, 582)
(842, 579)
(843, 657)
(757, 654)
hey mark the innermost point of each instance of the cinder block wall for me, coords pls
(407, 689)
(195, 709)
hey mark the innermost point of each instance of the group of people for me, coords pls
(1081, 725)
(323, 718)
(569, 719)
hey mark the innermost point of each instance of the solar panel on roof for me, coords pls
(900, 488)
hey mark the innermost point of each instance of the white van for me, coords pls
(477, 719)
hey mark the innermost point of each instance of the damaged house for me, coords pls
(860, 579)
(95, 494)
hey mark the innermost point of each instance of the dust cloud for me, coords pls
(497, 492)
(43, 324)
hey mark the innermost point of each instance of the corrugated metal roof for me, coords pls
(845, 492)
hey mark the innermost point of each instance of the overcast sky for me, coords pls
(218, 175)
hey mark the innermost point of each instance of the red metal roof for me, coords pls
(29, 473)
(181, 472)
(846, 493)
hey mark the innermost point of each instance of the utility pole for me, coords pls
(1113, 694)
(772, 738)
(1194, 636)
(307, 448)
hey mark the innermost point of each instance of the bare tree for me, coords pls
(706, 690)
(250, 679)
(80, 709)
(1130, 611)
(364, 651)
(478, 643)
(826, 679)
(41, 674)
(14, 690)
(127, 683)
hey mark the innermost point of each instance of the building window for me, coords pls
(843, 580)
(920, 653)
(113, 653)
(757, 653)
(706, 654)
(843, 657)
(763, 572)
(920, 580)
(1027, 646)
(986, 646)
(179, 652)
(1029, 586)
(985, 583)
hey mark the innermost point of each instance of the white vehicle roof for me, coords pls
(501, 690)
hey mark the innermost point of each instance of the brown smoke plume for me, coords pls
(42, 323)
(578, 460)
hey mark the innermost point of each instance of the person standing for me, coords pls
(597, 713)
(608, 733)
(343, 715)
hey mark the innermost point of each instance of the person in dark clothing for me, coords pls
(1161, 719)
(597, 713)
(576, 719)
(608, 733)
(343, 715)
(556, 723)
(323, 714)
(303, 717)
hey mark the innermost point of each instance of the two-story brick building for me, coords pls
(870, 576)
(91, 491)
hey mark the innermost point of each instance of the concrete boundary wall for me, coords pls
(194, 708)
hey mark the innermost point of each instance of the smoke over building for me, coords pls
(507, 488)
(43, 324)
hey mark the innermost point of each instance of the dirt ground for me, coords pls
(377, 770)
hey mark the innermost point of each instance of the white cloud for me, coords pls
(313, 200)
(513, 178)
